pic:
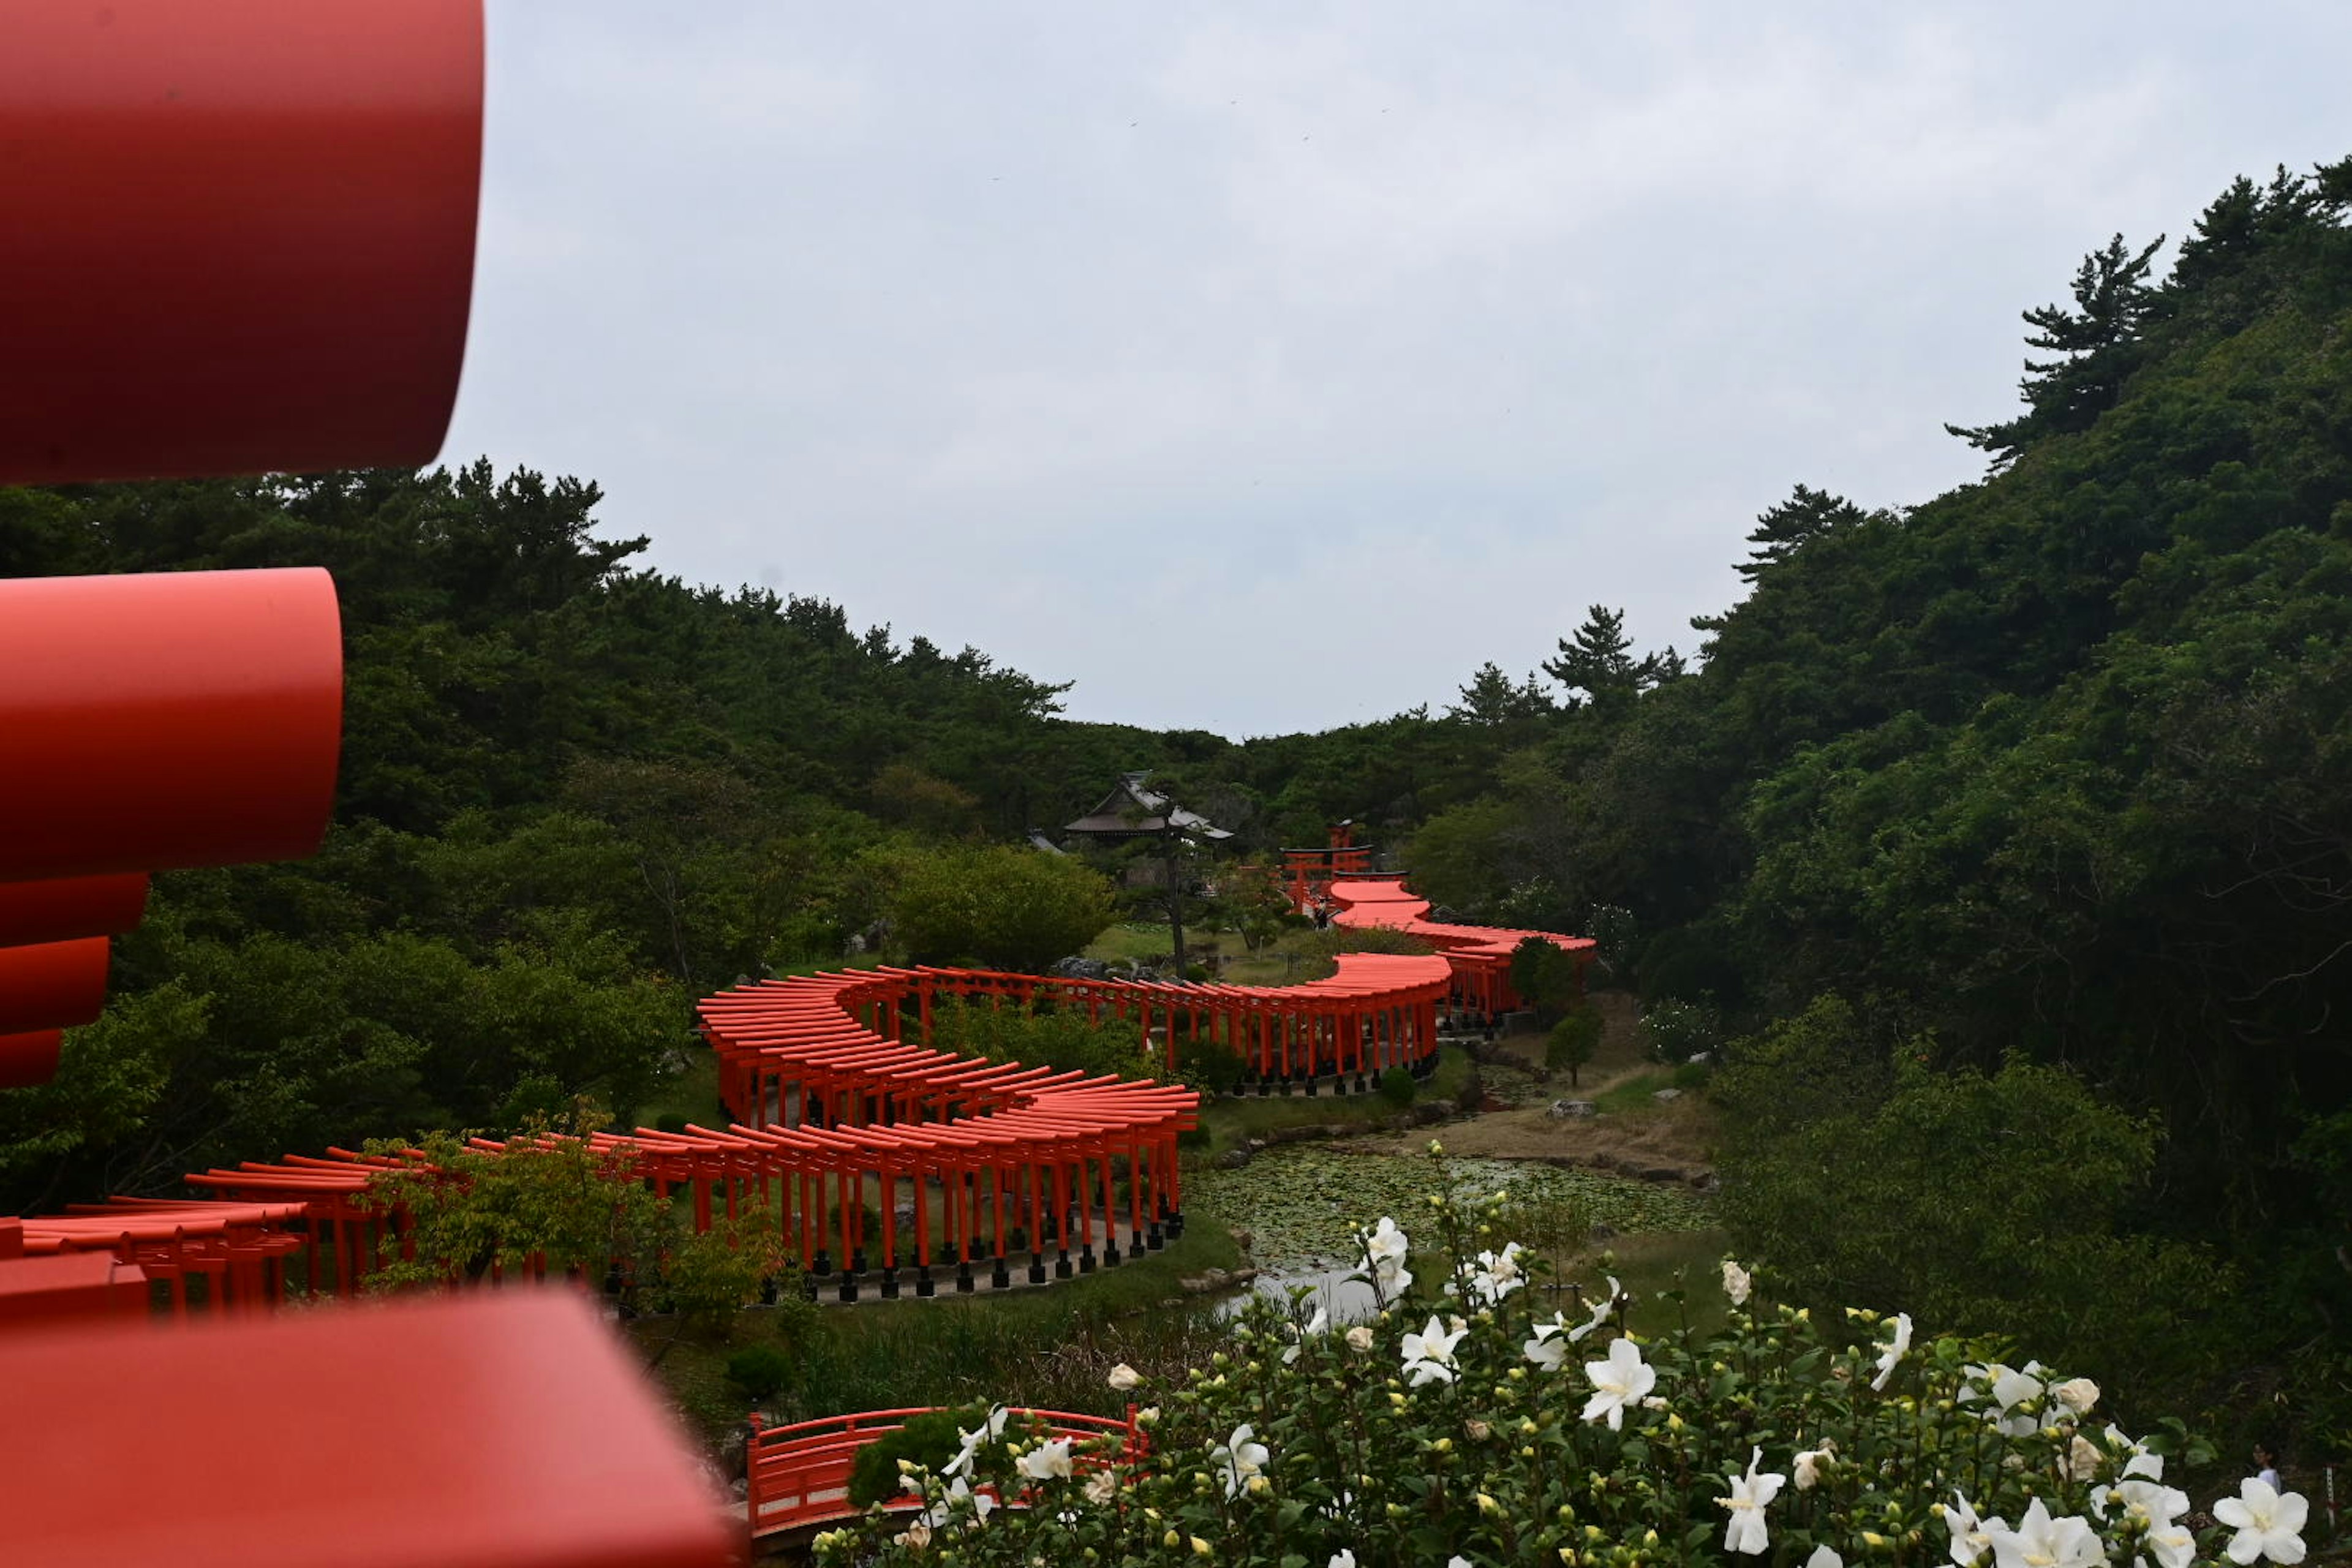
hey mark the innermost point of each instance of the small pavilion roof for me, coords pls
(1131, 811)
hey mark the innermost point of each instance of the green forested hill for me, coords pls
(574, 796)
(2011, 832)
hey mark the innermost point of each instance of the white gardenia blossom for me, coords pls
(1751, 1494)
(1600, 1310)
(2081, 1460)
(1972, 1536)
(1124, 1377)
(2156, 1508)
(1387, 1247)
(1101, 1486)
(1317, 1324)
(2011, 1388)
(989, 1431)
(1824, 1557)
(1813, 1462)
(959, 1493)
(2077, 1394)
(1546, 1350)
(2041, 1542)
(1238, 1458)
(1343, 1558)
(1894, 1352)
(1048, 1461)
(1499, 1274)
(1620, 1381)
(1360, 1339)
(1429, 1354)
(1736, 1282)
(2269, 1523)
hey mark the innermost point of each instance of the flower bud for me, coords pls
(1488, 1504)
(1360, 1339)
(1171, 1539)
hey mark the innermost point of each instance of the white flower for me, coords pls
(2269, 1524)
(1618, 1382)
(2077, 1394)
(1970, 1535)
(1048, 1461)
(1736, 1282)
(2011, 1388)
(2079, 1460)
(1542, 1349)
(1894, 1352)
(1600, 1310)
(1238, 1458)
(1124, 1377)
(959, 1491)
(988, 1431)
(1386, 1247)
(1750, 1495)
(2041, 1542)
(1824, 1557)
(1429, 1354)
(1101, 1486)
(1360, 1339)
(1315, 1325)
(2141, 1462)
(1499, 1274)
(1458, 1560)
(1343, 1558)
(917, 1535)
(2156, 1508)
(1812, 1462)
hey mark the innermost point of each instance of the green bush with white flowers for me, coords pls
(1478, 1419)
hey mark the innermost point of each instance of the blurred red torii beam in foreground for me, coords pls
(240, 239)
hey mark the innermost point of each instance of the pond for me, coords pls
(1302, 1207)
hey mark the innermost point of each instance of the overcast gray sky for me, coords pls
(1266, 367)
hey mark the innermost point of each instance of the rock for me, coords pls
(905, 1215)
(1431, 1110)
(1075, 968)
(1255, 1145)
(1244, 1238)
(1210, 1280)
(1666, 1096)
(740, 1488)
(1705, 1182)
(1604, 1233)
(1233, 1159)
(1561, 1109)
(1661, 1172)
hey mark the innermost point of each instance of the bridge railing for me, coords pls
(798, 1475)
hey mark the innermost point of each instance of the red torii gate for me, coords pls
(1480, 956)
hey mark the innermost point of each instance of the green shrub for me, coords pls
(1692, 1074)
(1491, 1436)
(759, 1371)
(669, 1121)
(1208, 1065)
(1572, 1041)
(1674, 1032)
(928, 1440)
(1398, 1086)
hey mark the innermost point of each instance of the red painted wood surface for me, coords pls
(29, 1057)
(497, 1429)
(166, 719)
(52, 984)
(58, 908)
(240, 234)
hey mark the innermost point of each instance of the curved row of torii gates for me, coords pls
(845, 1119)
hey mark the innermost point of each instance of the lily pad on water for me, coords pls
(1302, 1206)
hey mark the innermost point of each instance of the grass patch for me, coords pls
(1653, 1266)
(692, 1096)
(1634, 1093)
